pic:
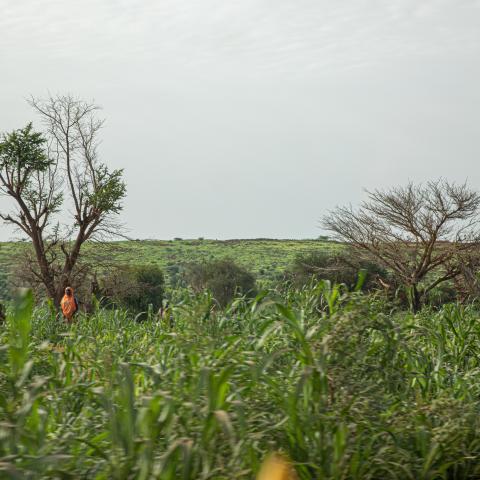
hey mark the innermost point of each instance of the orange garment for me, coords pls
(69, 305)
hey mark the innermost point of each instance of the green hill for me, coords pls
(266, 258)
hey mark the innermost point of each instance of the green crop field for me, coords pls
(345, 384)
(264, 257)
(339, 382)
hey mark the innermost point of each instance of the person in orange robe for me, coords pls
(69, 304)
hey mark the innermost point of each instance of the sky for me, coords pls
(253, 118)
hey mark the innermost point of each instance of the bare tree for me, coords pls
(420, 232)
(59, 175)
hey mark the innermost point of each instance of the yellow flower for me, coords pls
(276, 467)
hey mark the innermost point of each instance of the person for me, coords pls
(69, 305)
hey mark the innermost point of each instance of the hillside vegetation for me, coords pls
(265, 258)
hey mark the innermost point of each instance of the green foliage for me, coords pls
(224, 278)
(19, 329)
(109, 190)
(347, 388)
(338, 268)
(134, 287)
(24, 150)
(4, 289)
(442, 294)
(266, 259)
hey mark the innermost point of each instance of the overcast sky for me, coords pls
(252, 118)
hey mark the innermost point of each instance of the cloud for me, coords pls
(280, 35)
(299, 103)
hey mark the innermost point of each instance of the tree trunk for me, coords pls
(45, 271)
(59, 292)
(70, 262)
(415, 298)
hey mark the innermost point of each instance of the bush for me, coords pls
(4, 289)
(134, 287)
(338, 268)
(224, 278)
(442, 294)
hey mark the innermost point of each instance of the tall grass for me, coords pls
(345, 387)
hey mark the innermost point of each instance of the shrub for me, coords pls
(134, 287)
(224, 278)
(4, 288)
(442, 294)
(338, 268)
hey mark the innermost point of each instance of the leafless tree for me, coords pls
(422, 233)
(63, 195)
